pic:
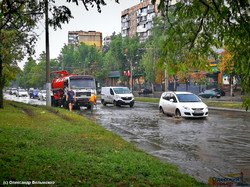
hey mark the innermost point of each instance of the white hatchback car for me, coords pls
(183, 104)
(42, 95)
(21, 92)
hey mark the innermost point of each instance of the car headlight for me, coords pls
(186, 107)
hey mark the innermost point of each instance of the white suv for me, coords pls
(183, 104)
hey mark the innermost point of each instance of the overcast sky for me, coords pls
(107, 22)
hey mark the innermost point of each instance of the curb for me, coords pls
(228, 109)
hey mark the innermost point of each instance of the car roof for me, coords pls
(179, 92)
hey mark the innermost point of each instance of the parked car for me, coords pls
(183, 104)
(42, 95)
(210, 94)
(145, 91)
(221, 92)
(21, 93)
(34, 93)
(117, 96)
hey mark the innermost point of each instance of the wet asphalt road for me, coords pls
(202, 148)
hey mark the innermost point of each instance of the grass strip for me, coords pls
(74, 151)
(224, 104)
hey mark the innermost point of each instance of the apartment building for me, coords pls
(138, 20)
(107, 40)
(91, 38)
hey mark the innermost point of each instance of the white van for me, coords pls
(117, 96)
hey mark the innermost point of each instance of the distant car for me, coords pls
(21, 93)
(221, 92)
(42, 95)
(13, 91)
(145, 91)
(183, 104)
(34, 93)
(210, 94)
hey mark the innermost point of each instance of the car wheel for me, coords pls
(115, 103)
(131, 105)
(161, 110)
(177, 113)
(103, 102)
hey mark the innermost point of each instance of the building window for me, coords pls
(144, 10)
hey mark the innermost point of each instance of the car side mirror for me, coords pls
(171, 100)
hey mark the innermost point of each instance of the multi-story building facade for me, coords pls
(138, 20)
(91, 38)
(107, 40)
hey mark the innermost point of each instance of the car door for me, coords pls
(172, 104)
(110, 97)
(166, 103)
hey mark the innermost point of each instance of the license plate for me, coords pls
(198, 112)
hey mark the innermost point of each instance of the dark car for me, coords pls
(221, 92)
(145, 91)
(210, 94)
(34, 93)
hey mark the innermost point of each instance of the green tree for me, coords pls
(200, 25)
(131, 51)
(18, 19)
(69, 60)
(150, 59)
(26, 75)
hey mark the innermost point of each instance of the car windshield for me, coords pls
(187, 98)
(82, 83)
(122, 90)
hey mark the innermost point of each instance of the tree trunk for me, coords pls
(166, 80)
(175, 83)
(231, 86)
(2, 82)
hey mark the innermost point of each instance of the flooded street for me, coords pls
(202, 148)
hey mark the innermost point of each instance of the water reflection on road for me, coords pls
(202, 148)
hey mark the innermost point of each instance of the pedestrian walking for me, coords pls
(70, 98)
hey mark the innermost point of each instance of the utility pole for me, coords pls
(48, 84)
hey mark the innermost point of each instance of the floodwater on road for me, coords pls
(202, 148)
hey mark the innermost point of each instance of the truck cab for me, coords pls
(82, 85)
